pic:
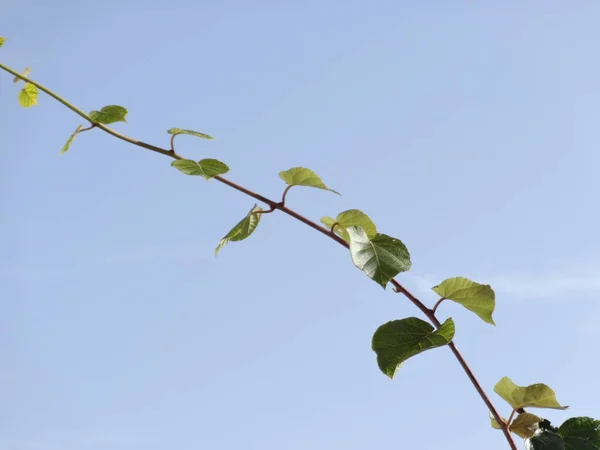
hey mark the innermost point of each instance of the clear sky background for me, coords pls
(470, 130)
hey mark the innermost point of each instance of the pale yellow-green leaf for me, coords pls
(479, 298)
(533, 396)
(2, 41)
(70, 140)
(26, 72)
(301, 176)
(524, 425)
(349, 218)
(28, 95)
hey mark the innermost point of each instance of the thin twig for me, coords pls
(281, 207)
(435, 307)
(285, 194)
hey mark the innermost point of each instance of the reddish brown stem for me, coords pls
(429, 313)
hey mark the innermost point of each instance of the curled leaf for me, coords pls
(243, 229)
(177, 131)
(109, 114)
(70, 140)
(26, 72)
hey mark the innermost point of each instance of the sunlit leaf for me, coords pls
(476, 297)
(533, 396)
(399, 340)
(206, 168)
(109, 114)
(177, 131)
(28, 95)
(494, 422)
(26, 72)
(381, 258)
(243, 229)
(524, 425)
(2, 41)
(351, 217)
(581, 433)
(70, 140)
(545, 440)
(301, 176)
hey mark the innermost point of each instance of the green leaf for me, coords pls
(243, 229)
(177, 131)
(545, 440)
(524, 425)
(494, 422)
(381, 257)
(70, 140)
(301, 176)
(28, 95)
(2, 41)
(26, 72)
(398, 340)
(206, 168)
(476, 297)
(349, 218)
(533, 396)
(109, 114)
(581, 433)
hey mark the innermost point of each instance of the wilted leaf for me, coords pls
(243, 229)
(301, 176)
(70, 140)
(206, 168)
(476, 297)
(533, 396)
(177, 131)
(545, 440)
(28, 95)
(351, 217)
(398, 340)
(381, 258)
(109, 114)
(524, 425)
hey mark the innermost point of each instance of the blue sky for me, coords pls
(467, 129)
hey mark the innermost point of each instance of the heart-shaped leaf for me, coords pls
(206, 168)
(301, 176)
(70, 140)
(243, 229)
(396, 341)
(381, 257)
(177, 131)
(109, 114)
(351, 217)
(479, 298)
(28, 95)
(533, 396)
